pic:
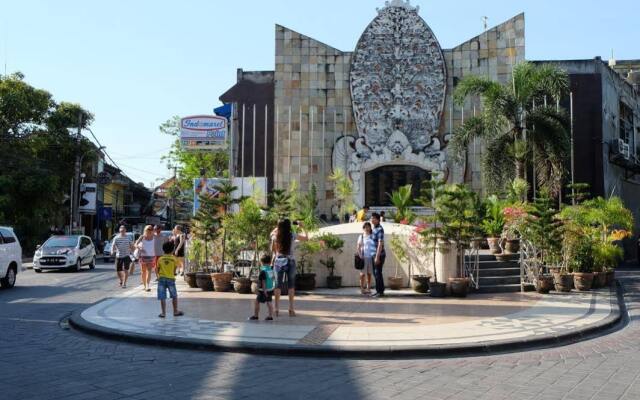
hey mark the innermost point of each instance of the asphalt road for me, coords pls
(42, 358)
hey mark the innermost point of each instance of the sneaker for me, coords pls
(269, 319)
(252, 318)
(376, 295)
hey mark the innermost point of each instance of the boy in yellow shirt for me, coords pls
(167, 265)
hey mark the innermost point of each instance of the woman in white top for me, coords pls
(147, 247)
(366, 248)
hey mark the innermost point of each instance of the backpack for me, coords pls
(270, 278)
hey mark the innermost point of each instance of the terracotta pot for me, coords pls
(203, 281)
(562, 282)
(420, 283)
(437, 289)
(459, 286)
(334, 282)
(242, 285)
(544, 284)
(305, 282)
(394, 282)
(599, 280)
(611, 276)
(222, 281)
(502, 257)
(190, 278)
(512, 246)
(583, 280)
(494, 245)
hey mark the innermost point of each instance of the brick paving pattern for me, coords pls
(43, 359)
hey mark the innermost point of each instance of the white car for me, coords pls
(65, 252)
(10, 257)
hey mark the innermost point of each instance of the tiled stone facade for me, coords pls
(312, 79)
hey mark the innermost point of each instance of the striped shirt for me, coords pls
(122, 245)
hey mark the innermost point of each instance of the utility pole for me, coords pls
(75, 201)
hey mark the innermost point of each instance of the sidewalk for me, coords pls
(345, 322)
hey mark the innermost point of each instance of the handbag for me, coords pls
(358, 262)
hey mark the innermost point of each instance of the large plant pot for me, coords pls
(203, 281)
(437, 289)
(503, 257)
(459, 286)
(334, 282)
(394, 282)
(242, 285)
(599, 280)
(512, 246)
(562, 282)
(494, 245)
(611, 275)
(190, 278)
(305, 282)
(583, 280)
(420, 283)
(222, 281)
(544, 284)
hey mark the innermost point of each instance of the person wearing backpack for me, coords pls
(266, 286)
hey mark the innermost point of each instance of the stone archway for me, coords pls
(387, 178)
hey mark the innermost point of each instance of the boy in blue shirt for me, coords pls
(266, 285)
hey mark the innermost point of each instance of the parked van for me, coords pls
(10, 257)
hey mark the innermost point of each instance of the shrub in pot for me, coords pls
(493, 223)
(420, 283)
(400, 252)
(242, 285)
(203, 281)
(190, 278)
(544, 283)
(606, 257)
(583, 264)
(222, 281)
(331, 243)
(306, 279)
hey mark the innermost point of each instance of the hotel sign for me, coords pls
(203, 132)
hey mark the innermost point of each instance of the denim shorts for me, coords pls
(165, 284)
(290, 271)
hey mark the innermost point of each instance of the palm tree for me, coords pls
(516, 124)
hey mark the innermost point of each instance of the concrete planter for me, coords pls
(459, 286)
(599, 280)
(437, 289)
(583, 280)
(190, 278)
(242, 285)
(544, 284)
(562, 282)
(306, 282)
(420, 283)
(494, 245)
(204, 282)
(334, 282)
(222, 281)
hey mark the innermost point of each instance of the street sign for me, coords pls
(104, 178)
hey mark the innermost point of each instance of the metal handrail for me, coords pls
(529, 264)
(472, 265)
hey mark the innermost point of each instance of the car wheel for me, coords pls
(10, 279)
(37, 270)
(77, 266)
(93, 263)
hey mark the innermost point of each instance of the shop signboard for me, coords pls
(199, 132)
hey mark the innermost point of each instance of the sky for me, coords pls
(135, 64)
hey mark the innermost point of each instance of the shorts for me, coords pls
(165, 284)
(263, 297)
(147, 262)
(368, 266)
(290, 271)
(123, 263)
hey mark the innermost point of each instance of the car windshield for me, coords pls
(62, 241)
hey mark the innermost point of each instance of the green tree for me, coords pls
(206, 223)
(515, 132)
(544, 229)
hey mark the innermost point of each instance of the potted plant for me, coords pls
(306, 279)
(400, 252)
(606, 257)
(195, 256)
(331, 244)
(431, 235)
(493, 223)
(582, 264)
(458, 214)
(514, 217)
(402, 200)
(544, 230)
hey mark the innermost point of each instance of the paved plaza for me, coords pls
(344, 320)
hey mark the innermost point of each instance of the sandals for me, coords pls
(292, 313)
(178, 314)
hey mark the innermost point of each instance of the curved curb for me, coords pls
(614, 321)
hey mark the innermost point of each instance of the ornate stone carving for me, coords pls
(398, 84)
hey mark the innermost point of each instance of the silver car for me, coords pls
(65, 252)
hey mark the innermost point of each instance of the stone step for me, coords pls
(498, 265)
(512, 288)
(499, 280)
(506, 271)
(491, 257)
